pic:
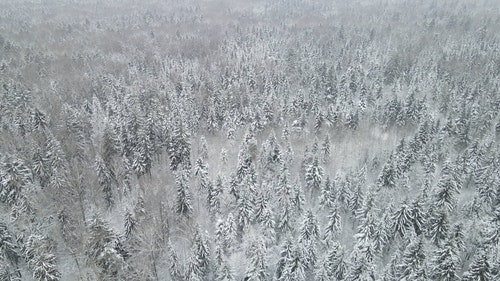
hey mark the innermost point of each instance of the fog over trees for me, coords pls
(250, 140)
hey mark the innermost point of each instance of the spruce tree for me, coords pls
(174, 266)
(438, 226)
(413, 259)
(402, 219)
(257, 268)
(447, 188)
(14, 177)
(183, 201)
(38, 253)
(479, 269)
(445, 263)
(314, 176)
(334, 225)
(309, 230)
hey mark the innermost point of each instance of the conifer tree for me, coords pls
(361, 268)
(9, 252)
(245, 213)
(327, 196)
(285, 257)
(214, 193)
(130, 224)
(14, 177)
(445, 263)
(183, 201)
(257, 269)
(413, 259)
(143, 154)
(175, 270)
(224, 273)
(417, 216)
(106, 178)
(297, 266)
(41, 167)
(438, 226)
(179, 147)
(203, 152)
(479, 269)
(314, 176)
(322, 271)
(388, 176)
(334, 224)
(309, 229)
(102, 248)
(39, 255)
(230, 230)
(402, 219)
(447, 189)
(200, 255)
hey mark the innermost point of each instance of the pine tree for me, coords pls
(224, 273)
(388, 176)
(40, 167)
(492, 229)
(323, 270)
(417, 216)
(334, 224)
(38, 253)
(200, 254)
(183, 202)
(175, 270)
(285, 258)
(143, 154)
(57, 162)
(285, 216)
(297, 198)
(130, 224)
(314, 176)
(367, 207)
(297, 266)
(365, 232)
(361, 268)
(327, 196)
(326, 148)
(272, 157)
(109, 144)
(179, 147)
(257, 269)
(355, 198)
(338, 266)
(14, 177)
(438, 226)
(479, 269)
(200, 167)
(102, 247)
(402, 219)
(310, 228)
(447, 189)
(203, 152)
(445, 263)
(245, 212)
(8, 245)
(106, 178)
(412, 260)
(214, 193)
(230, 230)
(39, 119)
(380, 235)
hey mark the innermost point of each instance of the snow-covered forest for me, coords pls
(249, 140)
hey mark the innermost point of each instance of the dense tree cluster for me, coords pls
(249, 140)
